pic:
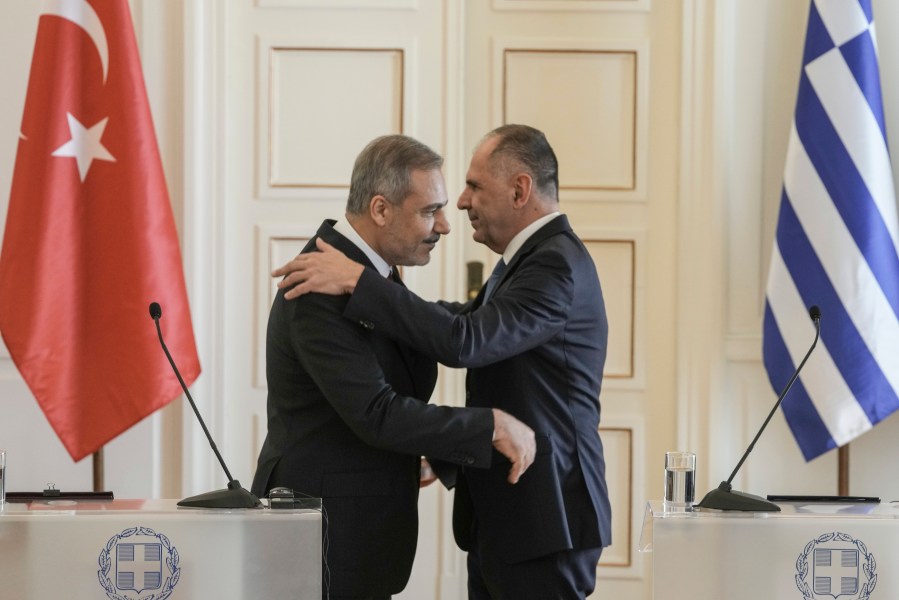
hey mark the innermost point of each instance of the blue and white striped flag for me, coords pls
(836, 240)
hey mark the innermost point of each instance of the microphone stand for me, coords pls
(234, 496)
(724, 497)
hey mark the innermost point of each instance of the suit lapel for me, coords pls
(421, 372)
(556, 226)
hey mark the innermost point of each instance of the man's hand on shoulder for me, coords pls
(326, 272)
(514, 440)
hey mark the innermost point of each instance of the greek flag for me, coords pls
(836, 240)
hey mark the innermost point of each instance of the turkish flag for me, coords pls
(90, 239)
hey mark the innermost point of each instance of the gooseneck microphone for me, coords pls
(232, 497)
(724, 497)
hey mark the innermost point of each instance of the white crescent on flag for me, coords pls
(82, 14)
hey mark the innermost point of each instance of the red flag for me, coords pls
(90, 240)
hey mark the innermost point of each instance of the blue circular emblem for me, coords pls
(839, 565)
(139, 564)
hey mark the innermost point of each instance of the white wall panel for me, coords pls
(615, 260)
(590, 97)
(624, 447)
(550, 89)
(317, 110)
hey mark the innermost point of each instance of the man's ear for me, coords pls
(522, 187)
(378, 209)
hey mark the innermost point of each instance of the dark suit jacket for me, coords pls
(348, 420)
(536, 349)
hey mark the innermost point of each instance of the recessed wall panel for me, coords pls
(618, 447)
(594, 89)
(324, 100)
(614, 261)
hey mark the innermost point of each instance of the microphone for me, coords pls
(724, 497)
(234, 496)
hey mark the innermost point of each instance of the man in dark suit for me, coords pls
(534, 341)
(346, 420)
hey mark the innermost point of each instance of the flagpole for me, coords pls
(98, 469)
(843, 470)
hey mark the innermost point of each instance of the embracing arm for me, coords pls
(343, 365)
(531, 309)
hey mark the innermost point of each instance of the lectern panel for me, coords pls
(136, 548)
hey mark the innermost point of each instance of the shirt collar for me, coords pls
(522, 236)
(346, 230)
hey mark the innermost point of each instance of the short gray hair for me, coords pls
(524, 147)
(384, 167)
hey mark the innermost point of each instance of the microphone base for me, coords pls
(726, 498)
(232, 497)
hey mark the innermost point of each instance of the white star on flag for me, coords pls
(85, 145)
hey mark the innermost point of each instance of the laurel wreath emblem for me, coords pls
(868, 567)
(171, 561)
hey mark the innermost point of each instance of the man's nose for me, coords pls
(464, 200)
(441, 223)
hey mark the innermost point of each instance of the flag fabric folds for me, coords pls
(836, 240)
(90, 239)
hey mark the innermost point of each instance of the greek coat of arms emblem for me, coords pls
(138, 564)
(836, 565)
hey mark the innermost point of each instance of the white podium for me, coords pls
(807, 551)
(137, 549)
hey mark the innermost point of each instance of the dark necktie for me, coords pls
(495, 276)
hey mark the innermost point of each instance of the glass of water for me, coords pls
(680, 482)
